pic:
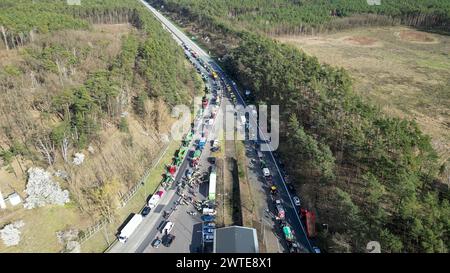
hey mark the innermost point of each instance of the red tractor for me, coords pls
(204, 102)
(172, 169)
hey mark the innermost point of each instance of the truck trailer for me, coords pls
(129, 228)
(212, 186)
(280, 210)
(310, 222)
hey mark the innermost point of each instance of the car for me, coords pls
(296, 201)
(210, 224)
(266, 172)
(212, 160)
(167, 228)
(208, 230)
(168, 240)
(156, 243)
(145, 211)
(208, 237)
(189, 173)
(208, 218)
(316, 249)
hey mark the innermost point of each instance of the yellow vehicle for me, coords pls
(214, 75)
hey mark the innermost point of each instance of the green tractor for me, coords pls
(263, 164)
(187, 139)
(180, 155)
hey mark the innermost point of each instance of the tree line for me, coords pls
(53, 103)
(310, 17)
(374, 175)
(327, 130)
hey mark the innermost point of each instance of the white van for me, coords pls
(167, 228)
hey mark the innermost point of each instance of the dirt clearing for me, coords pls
(360, 40)
(416, 36)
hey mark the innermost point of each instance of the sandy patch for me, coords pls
(360, 40)
(113, 28)
(416, 37)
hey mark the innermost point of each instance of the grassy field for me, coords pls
(41, 224)
(404, 71)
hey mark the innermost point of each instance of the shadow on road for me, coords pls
(196, 242)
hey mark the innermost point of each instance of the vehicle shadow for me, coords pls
(196, 242)
(204, 188)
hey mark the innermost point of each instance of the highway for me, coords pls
(142, 238)
(292, 215)
(144, 235)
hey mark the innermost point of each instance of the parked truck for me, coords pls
(204, 102)
(153, 201)
(273, 190)
(187, 139)
(310, 222)
(172, 169)
(129, 228)
(201, 143)
(196, 157)
(209, 211)
(215, 145)
(288, 233)
(167, 228)
(212, 186)
(280, 210)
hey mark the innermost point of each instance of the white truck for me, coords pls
(212, 186)
(153, 201)
(209, 211)
(243, 119)
(129, 228)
